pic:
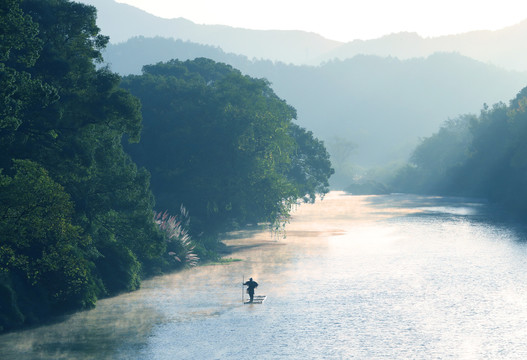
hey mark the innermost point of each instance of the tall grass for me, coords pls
(179, 243)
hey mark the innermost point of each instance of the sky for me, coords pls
(346, 20)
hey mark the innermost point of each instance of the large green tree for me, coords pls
(19, 50)
(223, 144)
(431, 162)
(68, 118)
(479, 156)
(496, 168)
(42, 254)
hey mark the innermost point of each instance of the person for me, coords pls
(251, 285)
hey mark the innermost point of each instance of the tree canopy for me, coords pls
(224, 145)
(77, 217)
(479, 156)
(76, 214)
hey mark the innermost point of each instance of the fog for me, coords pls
(382, 95)
(365, 277)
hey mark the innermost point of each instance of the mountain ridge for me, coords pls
(290, 46)
(383, 104)
(498, 47)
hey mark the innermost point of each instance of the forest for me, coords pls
(105, 181)
(380, 106)
(481, 156)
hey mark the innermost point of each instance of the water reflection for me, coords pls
(370, 277)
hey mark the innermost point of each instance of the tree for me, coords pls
(223, 144)
(68, 119)
(433, 160)
(496, 168)
(78, 140)
(310, 165)
(19, 50)
(479, 156)
(42, 254)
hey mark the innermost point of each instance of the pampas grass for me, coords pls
(179, 243)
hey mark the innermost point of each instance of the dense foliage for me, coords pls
(432, 161)
(379, 106)
(224, 145)
(77, 218)
(480, 156)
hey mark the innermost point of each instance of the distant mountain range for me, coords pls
(383, 95)
(122, 22)
(382, 104)
(501, 48)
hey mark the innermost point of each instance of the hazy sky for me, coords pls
(346, 20)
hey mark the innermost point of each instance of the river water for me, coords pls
(358, 277)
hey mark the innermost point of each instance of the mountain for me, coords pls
(130, 56)
(383, 95)
(501, 47)
(382, 104)
(122, 22)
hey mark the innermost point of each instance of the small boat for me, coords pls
(257, 299)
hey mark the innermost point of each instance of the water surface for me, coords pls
(358, 277)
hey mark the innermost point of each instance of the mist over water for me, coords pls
(374, 277)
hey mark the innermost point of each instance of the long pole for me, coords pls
(243, 282)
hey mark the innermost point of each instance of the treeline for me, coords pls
(477, 156)
(380, 105)
(223, 145)
(77, 215)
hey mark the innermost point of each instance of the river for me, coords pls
(357, 277)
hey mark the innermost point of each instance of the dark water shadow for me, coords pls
(244, 233)
(476, 210)
(422, 201)
(230, 249)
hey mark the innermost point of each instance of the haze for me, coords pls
(136, 146)
(346, 20)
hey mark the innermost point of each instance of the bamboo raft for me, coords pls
(257, 299)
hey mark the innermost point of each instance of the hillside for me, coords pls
(383, 95)
(122, 22)
(382, 104)
(494, 47)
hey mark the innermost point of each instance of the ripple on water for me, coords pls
(386, 277)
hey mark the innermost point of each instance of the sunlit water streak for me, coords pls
(384, 277)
